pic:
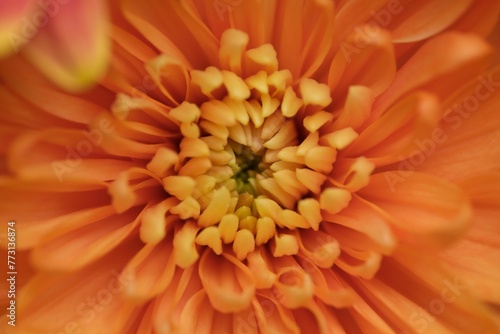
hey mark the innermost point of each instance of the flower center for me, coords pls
(253, 160)
(248, 165)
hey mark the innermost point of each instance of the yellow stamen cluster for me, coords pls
(252, 163)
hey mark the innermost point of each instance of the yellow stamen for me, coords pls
(321, 158)
(286, 134)
(292, 220)
(210, 237)
(232, 45)
(291, 103)
(317, 120)
(228, 227)
(185, 252)
(339, 139)
(218, 112)
(195, 167)
(153, 228)
(193, 147)
(186, 112)
(284, 244)
(265, 230)
(243, 244)
(208, 80)
(163, 160)
(264, 55)
(315, 93)
(333, 200)
(216, 209)
(122, 196)
(258, 82)
(179, 186)
(310, 209)
(236, 87)
(188, 208)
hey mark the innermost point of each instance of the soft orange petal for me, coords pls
(425, 210)
(354, 217)
(44, 99)
(476, 255)
(469, 133)
(279, 319)
(84, 244)
(359, 60)
(353, 13)
(439, 297)
(414, 21)
(152, 269)
(14, 31)
(196, 47)
(170, 304)
(450, 57)
(394, 135)
(480, 18)
(357, 108)
(228, 282)
(72, 63)
(76, 300)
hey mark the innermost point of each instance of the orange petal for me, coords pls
(36, 232)
(466, 145)
(353, 13)
(46, 97)
(228, 282)
(394, 135)
(415, 21)
(318, 23)
(429, 296)
(90, 306)
(293, 286)
(480, 18)
(170, 304)
(354, 217)
(46, 204)
(72, 63)
(185, 37)
(320, 248)
(357, 108)
(278, 319)
(152, 269)
(328, 286)
(450, 57)
(63, 156)
(170, 75)
(425, 210)
(475, 256)
(362, 317)
(85, 244)
(359, 60)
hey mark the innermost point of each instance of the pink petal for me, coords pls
(72, 46)
(14, 28)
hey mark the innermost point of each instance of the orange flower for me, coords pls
(257, 166)
(65, 39)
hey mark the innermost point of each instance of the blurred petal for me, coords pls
(426, 210)
(475, 253)
(418, 20)
(359, 61)
(15, 30)
(470, 132)
(450, 57)
(72, 47)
